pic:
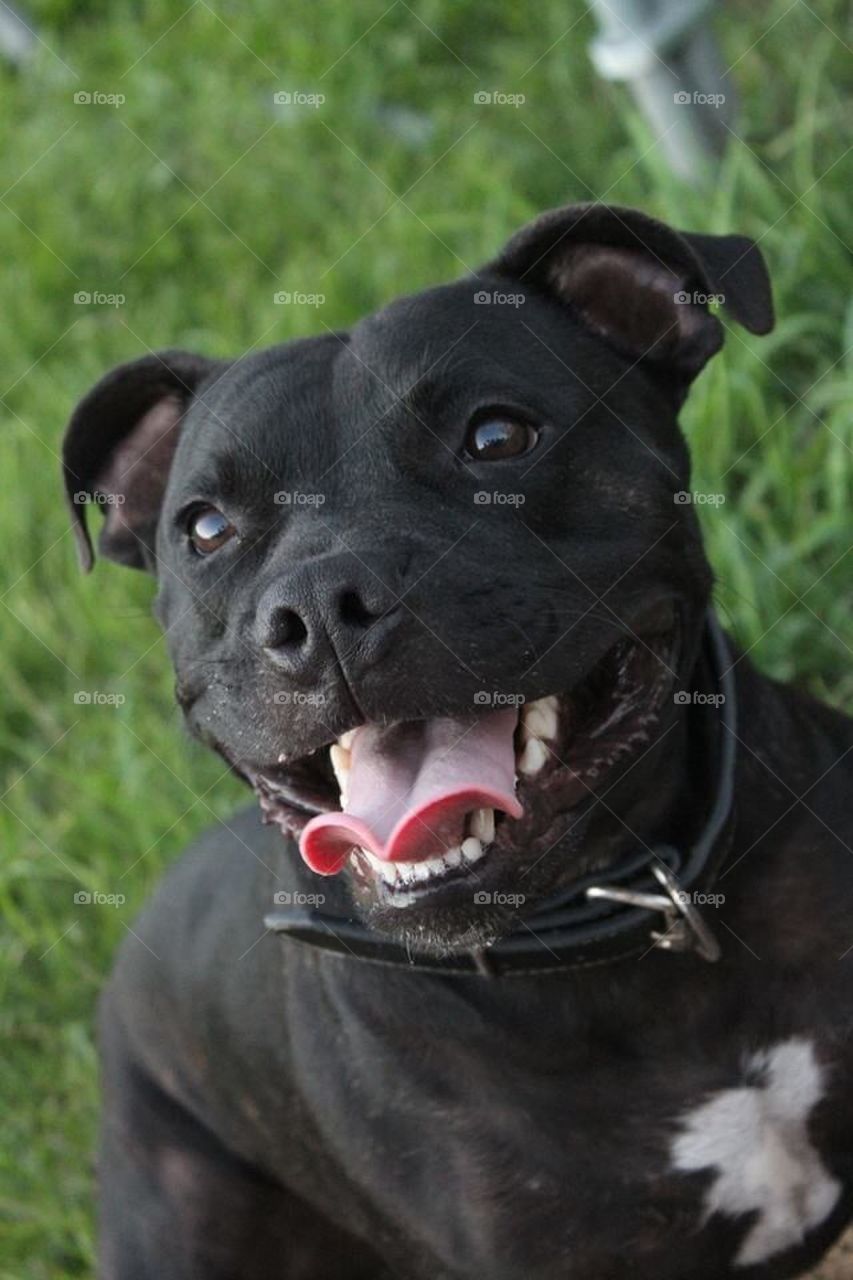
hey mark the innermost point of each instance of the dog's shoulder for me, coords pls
(200, 944)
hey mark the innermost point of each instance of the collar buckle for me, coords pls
(683, 928)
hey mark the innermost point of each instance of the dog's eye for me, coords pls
(496, 435)
(209, 530)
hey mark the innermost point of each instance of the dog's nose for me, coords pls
(297, 619)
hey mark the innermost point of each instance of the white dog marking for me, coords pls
(756, 1138)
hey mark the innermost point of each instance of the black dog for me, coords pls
(431, 587)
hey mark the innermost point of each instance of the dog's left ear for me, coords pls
(641, 285)
(118, 451)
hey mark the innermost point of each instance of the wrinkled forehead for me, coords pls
(454, 330)
(301, 403)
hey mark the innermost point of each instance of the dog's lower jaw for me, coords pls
(436, 932)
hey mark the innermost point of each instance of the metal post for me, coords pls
(665, 53)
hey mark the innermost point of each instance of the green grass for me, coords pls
(101, 797)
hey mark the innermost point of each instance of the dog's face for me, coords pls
(427, 584)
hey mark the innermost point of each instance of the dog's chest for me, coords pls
(516, 1159)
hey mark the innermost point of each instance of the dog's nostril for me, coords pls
(286, 630)
(353, 610)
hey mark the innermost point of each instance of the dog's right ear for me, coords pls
(118, 450)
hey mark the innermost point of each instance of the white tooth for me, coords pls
(340, 764)
(472, 849)
(533, 757)
(540, 719)
(404, 875)
(482, 825)
(282, 759)
(396, 875)
(345, 740)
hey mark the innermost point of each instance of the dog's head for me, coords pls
(427, 584)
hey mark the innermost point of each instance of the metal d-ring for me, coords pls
(684, 929)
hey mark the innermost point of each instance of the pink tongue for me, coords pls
(410, 787)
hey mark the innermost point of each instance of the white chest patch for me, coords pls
(756, 1139)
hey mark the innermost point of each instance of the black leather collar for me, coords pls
(646, 901)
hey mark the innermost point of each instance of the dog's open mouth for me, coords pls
(417, 806)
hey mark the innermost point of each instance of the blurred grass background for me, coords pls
(198, 199)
